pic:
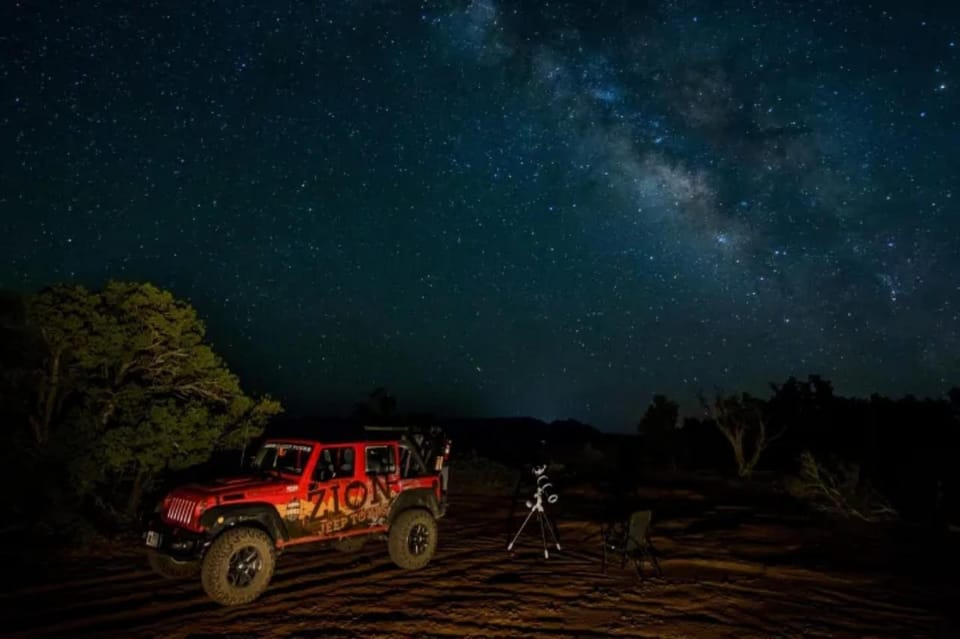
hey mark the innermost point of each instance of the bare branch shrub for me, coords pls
(741, 421)
(839, 491)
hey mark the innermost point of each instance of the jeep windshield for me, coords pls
(283, 458)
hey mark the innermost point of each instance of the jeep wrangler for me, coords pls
(338, 490)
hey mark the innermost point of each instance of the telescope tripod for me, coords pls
(536, 507)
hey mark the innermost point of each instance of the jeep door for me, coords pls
(382, 481)
(328, 491)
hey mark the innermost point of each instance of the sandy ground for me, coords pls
(729, 571)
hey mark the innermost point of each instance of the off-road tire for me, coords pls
(170, 568)
(413, 539)
(350, 544)
(238, 566)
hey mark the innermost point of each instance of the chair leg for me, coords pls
(652, 552)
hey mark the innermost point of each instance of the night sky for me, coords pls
(553, 209)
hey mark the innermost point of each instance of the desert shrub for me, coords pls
(659, 431)
(839, 489)
(471, 473)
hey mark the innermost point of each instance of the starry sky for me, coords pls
(492, 208)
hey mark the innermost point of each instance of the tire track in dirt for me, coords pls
(474, 587)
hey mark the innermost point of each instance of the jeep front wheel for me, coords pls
(238, 566)
(413, 539)
(170, 568)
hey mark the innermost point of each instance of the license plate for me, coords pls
(153, 539)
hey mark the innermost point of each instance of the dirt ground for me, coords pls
(729, 571)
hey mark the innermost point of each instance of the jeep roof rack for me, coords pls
(334, 431)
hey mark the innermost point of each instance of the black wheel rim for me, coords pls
(418, 540)
(245, 564)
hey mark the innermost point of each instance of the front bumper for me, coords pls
(179, 543)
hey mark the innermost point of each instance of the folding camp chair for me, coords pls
(630, 540)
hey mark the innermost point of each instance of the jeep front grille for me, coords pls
(180, 511)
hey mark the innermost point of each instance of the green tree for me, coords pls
(64, 320)
(17, 351)
(128, 386)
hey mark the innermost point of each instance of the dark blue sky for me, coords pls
(493, 208)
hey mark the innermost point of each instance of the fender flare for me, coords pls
(423, 498)
(259, 514)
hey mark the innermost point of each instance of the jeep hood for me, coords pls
(237, 489)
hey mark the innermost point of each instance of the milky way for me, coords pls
(491, 208)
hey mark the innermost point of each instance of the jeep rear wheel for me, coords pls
(170, 568)
(238, 566)
(413, 539)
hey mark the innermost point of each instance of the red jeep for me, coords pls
(339, 489)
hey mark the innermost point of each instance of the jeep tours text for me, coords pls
(333, 489)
